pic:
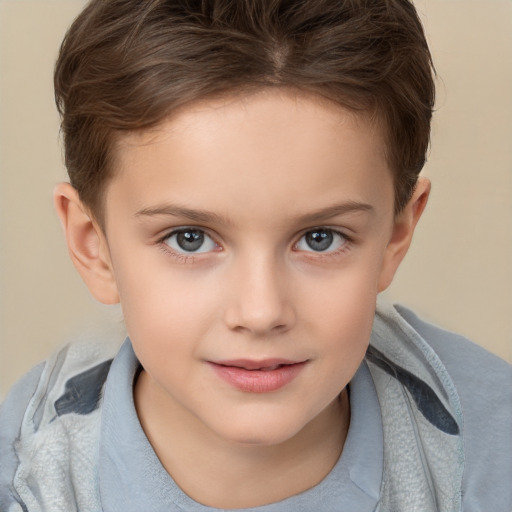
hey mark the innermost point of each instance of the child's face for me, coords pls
(245, 234)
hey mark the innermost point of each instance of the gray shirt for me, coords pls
(127, 475)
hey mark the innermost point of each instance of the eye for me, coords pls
(190, 240)
(321, 240)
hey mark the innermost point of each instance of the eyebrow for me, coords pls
(214, 218)
(335, 210)
(187, 213)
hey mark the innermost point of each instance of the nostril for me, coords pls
(257, 311)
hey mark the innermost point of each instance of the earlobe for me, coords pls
(403, 230)
(87, 245)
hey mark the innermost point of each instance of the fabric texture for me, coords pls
(431, 430)
(422, 420)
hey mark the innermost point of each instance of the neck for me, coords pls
(223, 474)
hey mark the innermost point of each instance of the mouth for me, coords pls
(258, 376)
(260, 365)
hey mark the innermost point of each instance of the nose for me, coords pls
(259, 298)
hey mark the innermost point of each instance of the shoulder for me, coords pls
(12, 412)
(49, 414)
(474, 370)
(484, 384)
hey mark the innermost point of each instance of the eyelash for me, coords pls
(317, 256)
(179, 256)
(328, 255)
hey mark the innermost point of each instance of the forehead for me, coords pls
(259, 147)
(273, 108)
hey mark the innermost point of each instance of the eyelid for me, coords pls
(161, 241)
(348, 241)
(166, 233)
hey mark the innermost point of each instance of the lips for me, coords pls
(261, 364)
(258, 376)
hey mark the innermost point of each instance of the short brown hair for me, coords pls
(127, 64)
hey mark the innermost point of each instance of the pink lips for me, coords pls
(258, 376)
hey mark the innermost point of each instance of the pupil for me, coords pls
(190, 240)
(319, 240)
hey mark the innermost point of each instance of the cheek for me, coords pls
(341, 309)
(162, 307)
(345, 295)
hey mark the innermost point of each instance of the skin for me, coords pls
(255, 174)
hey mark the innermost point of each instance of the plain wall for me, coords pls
(459, 270)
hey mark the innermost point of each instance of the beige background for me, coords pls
(458, 273)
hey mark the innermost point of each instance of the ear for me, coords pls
(87, 245)
(401, 235)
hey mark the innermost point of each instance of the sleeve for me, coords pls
(12, 412)
(484, 384)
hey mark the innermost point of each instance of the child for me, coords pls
(244, 181)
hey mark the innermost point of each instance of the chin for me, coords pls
(259, 439)
(258, 432)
